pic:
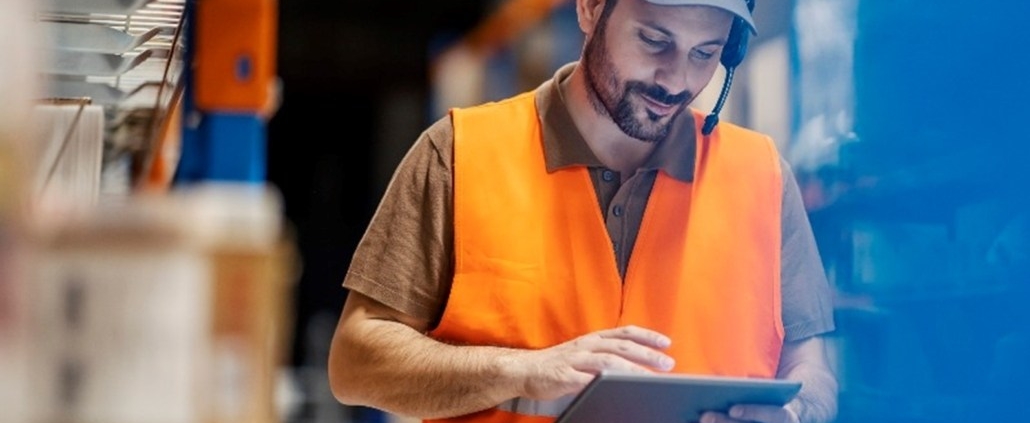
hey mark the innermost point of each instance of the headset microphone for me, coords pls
(732, 55)
(713, 119)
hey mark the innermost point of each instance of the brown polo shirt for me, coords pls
(405, 259)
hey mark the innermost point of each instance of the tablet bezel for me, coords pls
(720, 390)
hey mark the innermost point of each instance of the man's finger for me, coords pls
(639, 335)
(761, 413)
(636, 353)
(716, 417)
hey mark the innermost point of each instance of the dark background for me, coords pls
(337, 61)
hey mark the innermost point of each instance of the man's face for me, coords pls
(645, 63)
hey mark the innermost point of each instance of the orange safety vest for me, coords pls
(534, 265)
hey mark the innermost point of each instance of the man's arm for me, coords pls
(382, 358)
(804, 361)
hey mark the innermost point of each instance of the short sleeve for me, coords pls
(404, 259)
(806, 297)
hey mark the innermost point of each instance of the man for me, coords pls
(488, 279)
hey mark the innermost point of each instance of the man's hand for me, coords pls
(804, 361)
(567, 368)
(753, 413)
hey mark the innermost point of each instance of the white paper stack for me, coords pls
(70, 154)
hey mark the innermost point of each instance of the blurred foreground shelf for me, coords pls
(159, 309)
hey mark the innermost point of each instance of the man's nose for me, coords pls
(673, 77)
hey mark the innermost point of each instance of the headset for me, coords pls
(732, 54)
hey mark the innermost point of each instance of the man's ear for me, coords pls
(589, 13)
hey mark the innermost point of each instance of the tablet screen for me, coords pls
(626, 398)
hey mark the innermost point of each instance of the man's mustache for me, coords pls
(657, 93)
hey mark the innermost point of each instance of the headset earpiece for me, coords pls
(736, 45)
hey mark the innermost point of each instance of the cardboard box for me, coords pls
(170, 309)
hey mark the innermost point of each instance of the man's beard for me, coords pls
(609, 100)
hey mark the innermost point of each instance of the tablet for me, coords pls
(626, 398)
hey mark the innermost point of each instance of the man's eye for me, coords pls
(702, 55)
(651, 42)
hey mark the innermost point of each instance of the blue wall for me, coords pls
(928, 244)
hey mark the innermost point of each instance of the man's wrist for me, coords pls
(509, 370)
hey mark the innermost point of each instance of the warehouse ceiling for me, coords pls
(365, 44)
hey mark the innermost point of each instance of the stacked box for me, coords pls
(169, 309)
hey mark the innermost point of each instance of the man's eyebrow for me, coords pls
(715, 42)
(658, 28)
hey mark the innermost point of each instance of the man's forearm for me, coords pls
(388, 365)
(817, 401)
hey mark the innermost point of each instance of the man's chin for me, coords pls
(657, 125)
(647, 126)
(649, 132)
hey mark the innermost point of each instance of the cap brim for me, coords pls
(736, 7)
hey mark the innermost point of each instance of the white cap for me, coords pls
(736, 7)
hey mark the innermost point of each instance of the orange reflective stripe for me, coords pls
(534, 264)
(496, 416)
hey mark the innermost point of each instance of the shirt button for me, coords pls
(617, 210)
(608, 175)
